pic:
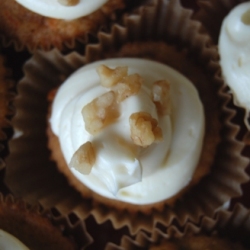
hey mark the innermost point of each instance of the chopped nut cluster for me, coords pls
(100, 112)
(119, 81)
(110, 77)
(84, 158)
(130, 85)
(68, 2)
(144, 129)
(161, 97)
(103, 110)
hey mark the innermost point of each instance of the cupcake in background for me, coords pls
(31, 227)
(230, 29)
(58, 23)
(162, 32)
(226, 230)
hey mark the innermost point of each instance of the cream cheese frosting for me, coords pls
(8, 241)
(122, 170)
(54, 9)
(234, 49)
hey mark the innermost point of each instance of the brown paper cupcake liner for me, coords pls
(6, 112)
(6, 109)
(188, 51)
(232, 226)
(40, 229)
(218, 10)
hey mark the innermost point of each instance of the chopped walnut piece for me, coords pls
(84, 158)
(161, 97)
(130, 85)
(110, 77)
(100, 112)
(144, 129)
(68, 2)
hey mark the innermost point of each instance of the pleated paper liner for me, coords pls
(6, 112)
(24, 29)
(163, 32)
(227, 228)
(218, 9)
(40, 229)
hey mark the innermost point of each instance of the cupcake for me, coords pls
(61, 24)
(184, 65)
(30, 227)
(227, 230)
(230, 30)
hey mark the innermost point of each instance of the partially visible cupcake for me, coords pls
(230, 29)
(30, 227)
(227, 230)
(47, 24)
(163, 32)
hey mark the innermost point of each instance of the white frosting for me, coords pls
(53, 9)
(234, 49)
(125, 172)
(8, 241)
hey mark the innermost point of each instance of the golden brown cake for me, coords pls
(27, 29)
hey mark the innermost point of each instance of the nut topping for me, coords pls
(100, 112)
(144, 129)
(130, 85)
(161, 97)
(84, 158)
(110, 77)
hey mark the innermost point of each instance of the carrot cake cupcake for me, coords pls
(44, 24)
(140, 127)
